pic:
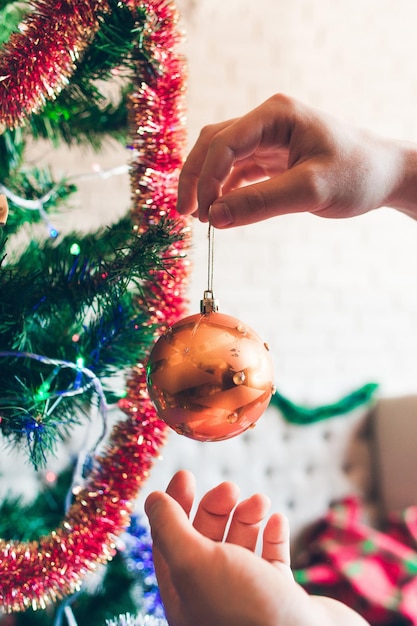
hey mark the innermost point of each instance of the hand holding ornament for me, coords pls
(286, 157)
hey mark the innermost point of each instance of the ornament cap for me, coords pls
(208, 304)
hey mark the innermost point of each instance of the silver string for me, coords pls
(210, 258)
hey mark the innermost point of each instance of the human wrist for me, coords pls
(333, 612)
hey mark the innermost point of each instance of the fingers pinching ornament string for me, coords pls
(210, 376)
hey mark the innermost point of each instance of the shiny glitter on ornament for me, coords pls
(210, 377)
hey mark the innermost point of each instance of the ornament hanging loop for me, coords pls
(209, 304)
(210, 273)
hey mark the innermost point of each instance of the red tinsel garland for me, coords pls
(36, 573)
(38, 61)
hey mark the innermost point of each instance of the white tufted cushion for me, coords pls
(301, 468)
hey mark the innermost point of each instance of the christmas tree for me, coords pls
(79, 312)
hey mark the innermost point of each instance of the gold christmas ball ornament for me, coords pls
(210, 377)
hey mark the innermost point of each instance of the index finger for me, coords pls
(214, 510)
(191, 170)
(268, 125)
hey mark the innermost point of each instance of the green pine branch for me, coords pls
(27, 521)
(34, 184)
(12, 146)
(11, 14)
(82, 300)
(82, 113)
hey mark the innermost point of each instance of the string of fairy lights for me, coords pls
(38, 204)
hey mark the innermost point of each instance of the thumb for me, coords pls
(293, 191)
(172, 531)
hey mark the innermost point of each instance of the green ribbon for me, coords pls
(302, 415)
